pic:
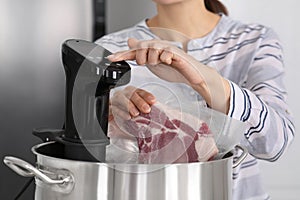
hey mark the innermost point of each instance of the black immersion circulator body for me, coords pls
(86, 62)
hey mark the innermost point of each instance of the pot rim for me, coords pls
(36, 147)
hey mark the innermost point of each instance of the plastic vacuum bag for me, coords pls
(180, 128)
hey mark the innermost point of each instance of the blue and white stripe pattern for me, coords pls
(250, 57)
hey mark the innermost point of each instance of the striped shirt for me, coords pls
(250, 57)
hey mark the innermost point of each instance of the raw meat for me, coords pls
(163, 136)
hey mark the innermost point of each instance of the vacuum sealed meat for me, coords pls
(167, 135)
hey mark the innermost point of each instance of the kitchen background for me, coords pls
(32, 77)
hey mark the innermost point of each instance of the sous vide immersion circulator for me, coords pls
(89, 79)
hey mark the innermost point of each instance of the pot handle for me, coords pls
(25, 169)
(242, 156)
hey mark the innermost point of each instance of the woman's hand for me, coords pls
(163, 59)
(173, 64)
(130, 102)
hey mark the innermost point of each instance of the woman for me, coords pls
(240, 74)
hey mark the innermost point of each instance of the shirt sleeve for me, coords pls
(261, 102)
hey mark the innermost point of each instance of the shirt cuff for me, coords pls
(239, 107)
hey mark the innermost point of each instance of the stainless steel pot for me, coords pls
(58, 178)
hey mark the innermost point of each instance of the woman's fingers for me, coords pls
(140, 103)
(123, 103)
(133, 43)
(166, 57)
(147, 96)
(153, 56)
(122, 55)
(116, 111)
(141, 56)
(130, 54)
(144, 52)
(141, 99)
(130, 102)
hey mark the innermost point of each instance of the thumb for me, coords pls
(132, 43)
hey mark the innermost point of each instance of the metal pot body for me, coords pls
(104, 181)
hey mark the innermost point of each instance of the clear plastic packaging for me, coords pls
(183, 107)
